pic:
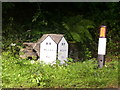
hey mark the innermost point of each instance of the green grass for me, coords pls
(18, 73)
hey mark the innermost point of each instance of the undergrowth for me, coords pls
(23, 73)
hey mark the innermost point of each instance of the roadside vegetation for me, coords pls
(80, 24)
(19, 73)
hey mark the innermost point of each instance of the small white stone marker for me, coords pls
(53, 47)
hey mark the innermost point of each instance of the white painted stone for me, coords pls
(53, 47)
(48, 50)
(63, 50)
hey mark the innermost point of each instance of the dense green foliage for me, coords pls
(80, 23)
(28, 73)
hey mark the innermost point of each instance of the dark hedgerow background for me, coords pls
(80, 24)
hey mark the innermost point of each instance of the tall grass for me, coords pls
(21, 73)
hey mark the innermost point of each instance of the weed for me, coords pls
(24, 73)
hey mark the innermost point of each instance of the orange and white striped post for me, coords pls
(102, 47)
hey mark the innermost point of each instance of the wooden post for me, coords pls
(102, 47)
